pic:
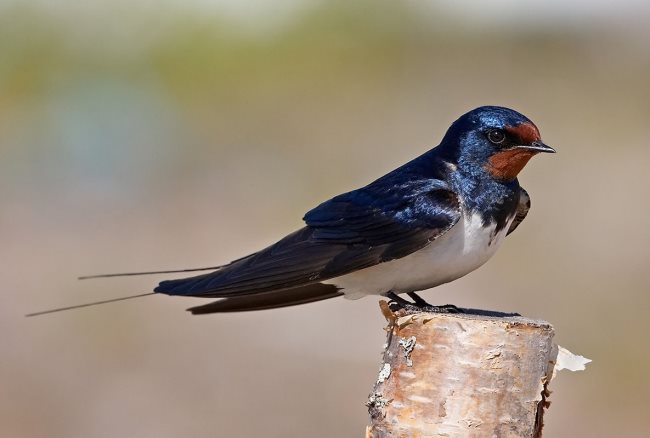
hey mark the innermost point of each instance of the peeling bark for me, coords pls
(477, 374)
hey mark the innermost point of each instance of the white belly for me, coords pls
(456, 253)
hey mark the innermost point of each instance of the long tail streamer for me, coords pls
(95, 303)
(129, 274)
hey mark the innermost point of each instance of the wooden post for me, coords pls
(477, 374)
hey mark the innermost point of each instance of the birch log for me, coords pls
(478, 374)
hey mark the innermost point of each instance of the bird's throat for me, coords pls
(506, 165)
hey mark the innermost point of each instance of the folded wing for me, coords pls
(522, 210)
(352, 231)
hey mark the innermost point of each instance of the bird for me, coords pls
(432, 220)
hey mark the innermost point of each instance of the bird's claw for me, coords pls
(419, 305)
(446, 308)
(414, 308)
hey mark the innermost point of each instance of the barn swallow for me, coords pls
(426, 223)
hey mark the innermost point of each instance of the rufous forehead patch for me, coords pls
(526, 133)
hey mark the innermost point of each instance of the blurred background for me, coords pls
(139, 135)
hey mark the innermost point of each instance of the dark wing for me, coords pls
(522, 210)
(352, 231)
(270, 300)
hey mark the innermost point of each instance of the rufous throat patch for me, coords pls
(506, 165)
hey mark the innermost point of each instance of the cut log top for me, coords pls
(475, 374)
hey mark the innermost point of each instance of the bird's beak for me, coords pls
(537, 146)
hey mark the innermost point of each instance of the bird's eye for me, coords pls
(496, 136)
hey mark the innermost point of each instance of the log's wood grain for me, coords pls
(479, 374)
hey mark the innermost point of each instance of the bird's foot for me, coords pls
(446, 308)
(422, 304)
(418, 304)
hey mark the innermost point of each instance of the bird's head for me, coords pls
(493, 139)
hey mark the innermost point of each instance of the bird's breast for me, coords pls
(462, 249)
